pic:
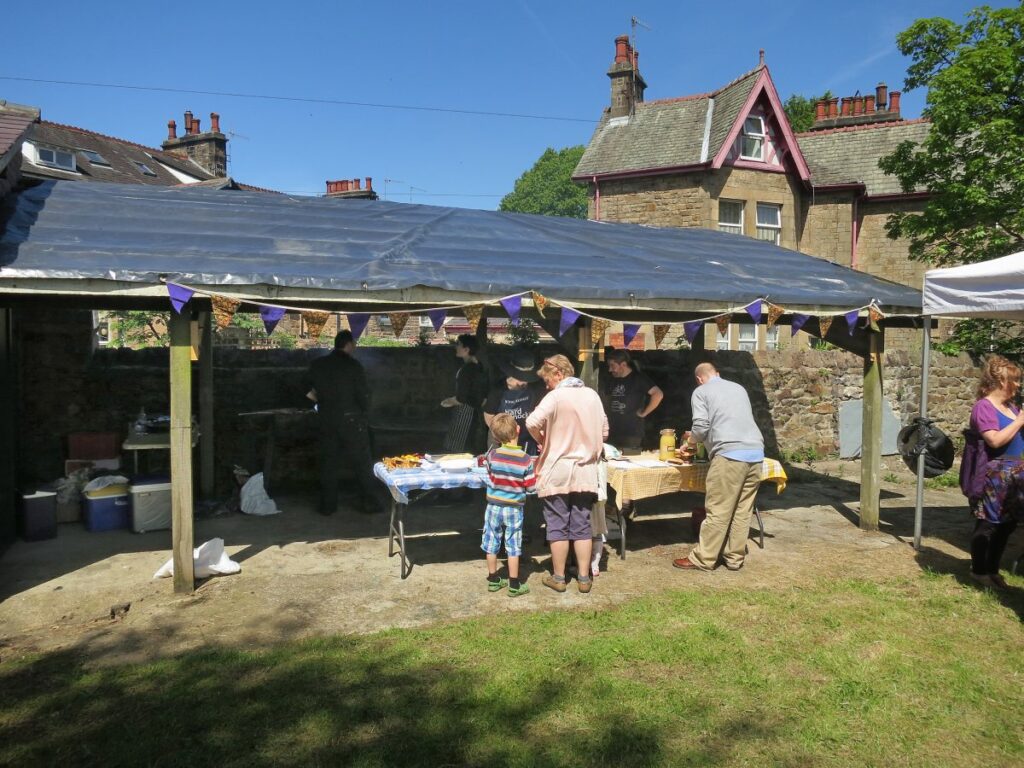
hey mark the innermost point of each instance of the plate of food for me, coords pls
(457, 465)
(405, 461)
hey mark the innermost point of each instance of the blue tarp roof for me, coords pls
(204, 237)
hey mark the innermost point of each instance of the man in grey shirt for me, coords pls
(724, 421)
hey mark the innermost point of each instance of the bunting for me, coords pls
(774, 313)
(824, 323)
(224, 309)
(597, 328)
(659, 333)
(513, 305)
(754, 310)
(398, 322)
(874, 315)
(179, 295)
(473, 314)
(540, 302)
(798, 323)
(437, 318)
(315, 322)
(629, 331)
(271, 317)
(722, 321)
(569, 318)
(357, 322)
(691, 329)
(851, 319)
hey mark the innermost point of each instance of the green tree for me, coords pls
(800, 110)
(548, 188)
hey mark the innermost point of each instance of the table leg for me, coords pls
(397, 528)
(135, 460)
(621, 518)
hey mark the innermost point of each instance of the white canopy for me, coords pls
(987, 289)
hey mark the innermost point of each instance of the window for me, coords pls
(94, 157)
(771, 337)
(730, 216)
(753, 139)
(724, 340)
(58, 158)
(748, 337)
(144, 168)
(769, 222)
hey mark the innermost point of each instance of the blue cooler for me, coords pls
(107, 513)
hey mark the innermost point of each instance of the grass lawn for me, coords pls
(912, 672)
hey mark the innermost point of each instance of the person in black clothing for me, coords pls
(342, 396)
(629, 396)
(518, 397)
(466, 430)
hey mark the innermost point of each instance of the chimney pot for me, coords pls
(356, 184)
(847, 106)
(343, 185)
(172, 130)
(820, 110)
(833, 107)
(858, 105)
(760, 57)
(330, 187)
(894, 102)
(369, 182)
(621, 49)
(869, 105)
(195, 125)
(215, 122)
(188, 122)
(881, 94)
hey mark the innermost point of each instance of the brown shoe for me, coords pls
(550, 581)
(686, 565)
(584, 585)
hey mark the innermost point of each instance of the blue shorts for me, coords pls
(510, 519)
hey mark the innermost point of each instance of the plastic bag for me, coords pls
(209, 559)
(255, 500)
(104, 481)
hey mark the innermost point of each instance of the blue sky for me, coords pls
(518, 56)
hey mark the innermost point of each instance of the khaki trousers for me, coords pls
(731, 491)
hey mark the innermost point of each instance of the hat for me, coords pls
(522, 366)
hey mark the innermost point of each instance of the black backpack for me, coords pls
(922, 436)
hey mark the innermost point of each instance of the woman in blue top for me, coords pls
(996, 423)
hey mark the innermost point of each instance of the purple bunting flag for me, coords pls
(797, 323)
(357, 322)
(513, 305)
(629, 331)
(569, 318)
(691, 330)
(754, 310)
(179, 295)
(851, 319)
(437, 318)
(271, 317)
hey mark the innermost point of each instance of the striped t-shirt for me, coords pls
(510, 476)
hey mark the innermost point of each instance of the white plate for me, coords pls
(457, 465)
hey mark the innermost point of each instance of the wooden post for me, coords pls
(588, 354)
(206, 456)
(871, 434)
(181, 451)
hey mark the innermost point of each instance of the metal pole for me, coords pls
(926, 350)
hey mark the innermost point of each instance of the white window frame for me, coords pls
(771, 337)
(743, 342)
(728, 226)
(758, 136)
(770, 232)
(723, 341)
(102, 161)
(55, 152)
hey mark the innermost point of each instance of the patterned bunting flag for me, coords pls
(224, 309)
(874, 315)
(597, 328)
(722, 321)
(513, 305)
(569, 318)
(473, 314)
(357, 322)
(659, 334)
(851, 319)
(179, 295)
(798, 323)
(271, 317)
(540, 302)
(691, 329)
(437, 318)
(398, 321)
(315, 322)
(824, 323)
(754, 310)
(774, 313)
(629, 331)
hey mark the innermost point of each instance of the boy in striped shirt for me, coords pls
(510, 476)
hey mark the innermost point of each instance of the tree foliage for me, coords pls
(547, 188)
(971, 162)
(800, 110)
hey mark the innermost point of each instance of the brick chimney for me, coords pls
(209, 150)
(352, 188)
(627, 85)
(858, 110)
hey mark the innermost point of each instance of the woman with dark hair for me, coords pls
(991, 464)
(470, 392)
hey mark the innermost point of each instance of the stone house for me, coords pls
(728, 159)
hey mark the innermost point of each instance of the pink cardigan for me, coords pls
(571, 426)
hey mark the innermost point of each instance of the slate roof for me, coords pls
(850, 155)
(667, 133)
(120, 154)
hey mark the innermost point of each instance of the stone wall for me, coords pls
(662, 201)
(753, 187)
(827, 226)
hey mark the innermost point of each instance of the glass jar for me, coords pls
(667, 444)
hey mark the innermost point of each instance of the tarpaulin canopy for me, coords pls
(987, 289)
(347, 250)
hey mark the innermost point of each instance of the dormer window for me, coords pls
(145, 168)
(56, 158)
(753, 139)
(94, 157)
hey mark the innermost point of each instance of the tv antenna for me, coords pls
(634, 22)
(390, 181)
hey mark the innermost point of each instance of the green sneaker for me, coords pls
(522, 589)
(494, 586)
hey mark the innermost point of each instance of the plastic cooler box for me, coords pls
(151, 504)
(38, 520)
(108, 509)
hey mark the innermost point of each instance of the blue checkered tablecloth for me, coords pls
(401, 481)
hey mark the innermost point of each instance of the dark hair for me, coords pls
(470, 342)
(620, 356)
(342, 339)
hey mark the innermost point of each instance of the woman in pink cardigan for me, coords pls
(570, 426)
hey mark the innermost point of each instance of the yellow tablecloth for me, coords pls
(636, 482)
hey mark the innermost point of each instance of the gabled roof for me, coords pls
(14, 122)
(841, 156)
(120, 154)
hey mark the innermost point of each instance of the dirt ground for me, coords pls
(305, 575)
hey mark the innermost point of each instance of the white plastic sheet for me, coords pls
(209, 559)
(254, 498)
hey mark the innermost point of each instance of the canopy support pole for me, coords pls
(871, 434)
(181, 451)
(926, 358)
(588, 352)
(206, 459)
